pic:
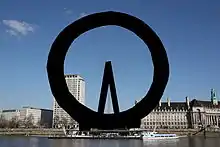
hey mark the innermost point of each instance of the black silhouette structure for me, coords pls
(86, 117)
(108, 80)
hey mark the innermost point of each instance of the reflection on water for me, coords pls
(34, 142)
(44, 142)
(68, 143)
(95, 143)
(163, 143)
(12, 141)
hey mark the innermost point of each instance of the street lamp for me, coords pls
(200, 118)
(202, 127)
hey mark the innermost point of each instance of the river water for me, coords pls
(44, 142)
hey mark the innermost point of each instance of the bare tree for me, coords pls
(28, 121)
(64, 122)
(14, 122)
(56, 121)
(45, 125)
(3, 121)
(39, 124)
(72, 123)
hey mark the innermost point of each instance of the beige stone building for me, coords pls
(182, 115)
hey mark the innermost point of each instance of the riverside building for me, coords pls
(183, 115)
(38, 116)
(76, 86)
(168, 115)
(205, 112)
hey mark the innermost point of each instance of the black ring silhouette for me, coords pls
(82, 114)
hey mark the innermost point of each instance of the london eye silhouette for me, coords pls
(86, 117)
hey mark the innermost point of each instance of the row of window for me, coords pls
(167, 114)
(170, 127)
(163, 123)
(170, 110)
(167, 118)
(164, 117)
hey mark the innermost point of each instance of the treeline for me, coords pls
(15, 122)
(63, 122)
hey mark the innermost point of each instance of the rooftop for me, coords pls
(9, 110)
(199, 103)
(29, 107)
(72, 75)
(173, 105)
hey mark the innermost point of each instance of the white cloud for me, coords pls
(68, 11)
(18, 27)
(12, 32)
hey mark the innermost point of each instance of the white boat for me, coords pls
(154, 136)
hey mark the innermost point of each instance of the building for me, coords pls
(205, 112)
(168, 115)
(10, 113)
(183, 115)
(76, 86)
(40, 117)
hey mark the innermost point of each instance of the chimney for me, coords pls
(168, 102)
(160, 103)
(187, 102)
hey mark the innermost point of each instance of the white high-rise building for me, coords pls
(76, 86)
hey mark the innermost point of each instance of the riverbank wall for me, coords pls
(32, 132)
(59, 132)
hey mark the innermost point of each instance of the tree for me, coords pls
(14, 122)
(28, 121)
(56, 121)
(3, 121)
(46, 125)
(72, 123)
(39, 124)
(64, 122)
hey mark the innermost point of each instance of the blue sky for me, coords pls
(189, 30)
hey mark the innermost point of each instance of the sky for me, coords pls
(189, 30)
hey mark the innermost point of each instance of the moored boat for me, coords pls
(146, 136)
(155, 136)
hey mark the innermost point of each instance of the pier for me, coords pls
(95, 137)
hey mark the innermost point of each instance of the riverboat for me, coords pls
(155, 136)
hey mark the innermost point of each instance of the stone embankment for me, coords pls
(57, 132)
(30, 132)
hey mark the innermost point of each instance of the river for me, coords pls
(6, 141)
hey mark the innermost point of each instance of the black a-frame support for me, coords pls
(108, 80)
